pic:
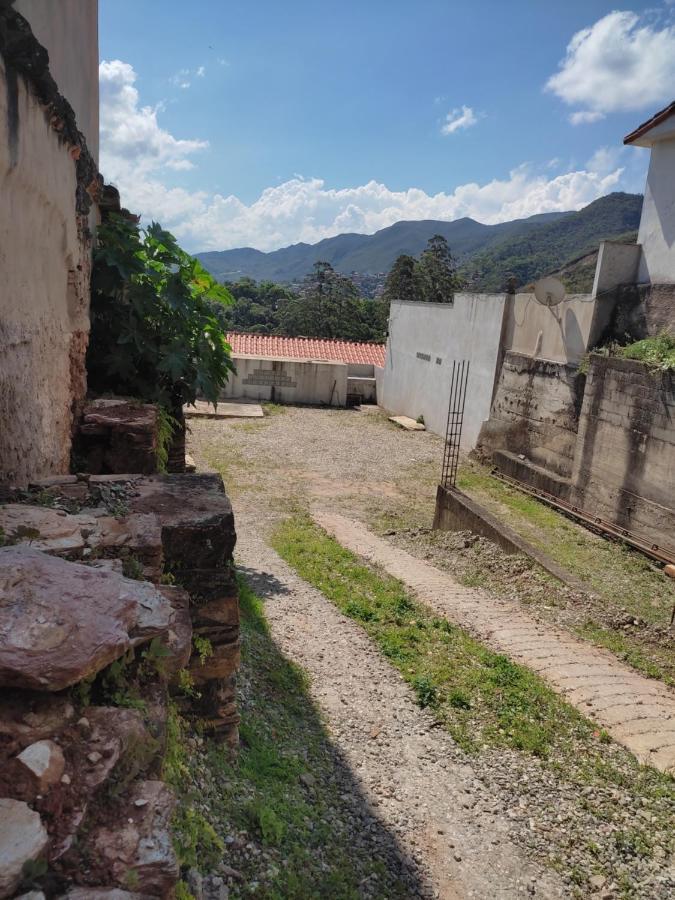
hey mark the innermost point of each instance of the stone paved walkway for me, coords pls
(638, 712)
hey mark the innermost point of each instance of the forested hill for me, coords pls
(553, 244)
(526, 248)
(365, 253)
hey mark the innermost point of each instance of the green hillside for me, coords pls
(552, 245)
(365, 253)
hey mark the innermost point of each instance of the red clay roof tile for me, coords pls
(273, 345)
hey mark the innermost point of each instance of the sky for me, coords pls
(263, 124)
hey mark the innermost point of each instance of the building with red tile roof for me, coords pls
(273, 346)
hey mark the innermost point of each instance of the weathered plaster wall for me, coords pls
(68, 29)
(535, 412)
(561, 333)
(45, 252)
(617, 264)
(657, 224)
(424, 340)
(288, 381)
(624, 467)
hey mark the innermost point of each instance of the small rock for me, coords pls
(65, 779)
(83, 722)
(597, 881)
(308, 779)
(140, 802)
(94, 757)
(45, 760)
(23, 838)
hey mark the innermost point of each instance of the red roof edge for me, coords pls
(656, 119)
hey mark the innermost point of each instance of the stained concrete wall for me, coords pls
(624, 464)
(45, 254)
(288, 381)
(535, 415)
(562, 333)
(657, 224)
(424, 341)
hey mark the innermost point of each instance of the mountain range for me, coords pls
(486, 254)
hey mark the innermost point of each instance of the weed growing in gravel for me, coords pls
(485, 701)
(481, 696)
(282, 794)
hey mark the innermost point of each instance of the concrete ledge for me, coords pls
(530, 473)
(457, 512)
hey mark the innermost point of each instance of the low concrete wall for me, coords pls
(361, 389)
(624, 464)
(457, 512)
(288, 381)
(424, 341)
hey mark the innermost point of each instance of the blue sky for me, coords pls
(265, 123)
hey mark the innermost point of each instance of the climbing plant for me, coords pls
(153, 331)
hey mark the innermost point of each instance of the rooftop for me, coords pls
(275, 346)
(656, 119)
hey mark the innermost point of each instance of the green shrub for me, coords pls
(658, 351)
(153, 332)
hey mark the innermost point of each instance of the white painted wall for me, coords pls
(414, 385)
(288, 381)
(657, 224)
(617, 264)
(562, 333)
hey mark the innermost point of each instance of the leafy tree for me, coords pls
(327, 306)
(438, 271)
(153, 332)
(403, 281)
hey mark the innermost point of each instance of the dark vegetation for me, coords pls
(155, 331)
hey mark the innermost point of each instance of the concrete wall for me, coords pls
(617, 264)
(424, 340)
(535, 413)
(288, 381)
(45, 250)
(657, 224)
(562, 333)
(625, 456)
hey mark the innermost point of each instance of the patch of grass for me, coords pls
(274, 409)
(625, 581)
(482, 697)
(627, 648)
(281, 792)
(487, 701)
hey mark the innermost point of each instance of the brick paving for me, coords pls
(638, 712)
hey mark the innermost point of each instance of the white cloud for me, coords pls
(458, 120)
(585, 117)
(201, 72)
(139, 156)
(133, 144)
(620, 63)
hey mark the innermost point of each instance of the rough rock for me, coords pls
(198, 539)
(61, 622)
(44, 759)
(179, 640)
(104, 893)
(86, 536)
(118, 435)
(138, 841)
(23, 837)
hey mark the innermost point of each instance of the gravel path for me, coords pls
(638, 712)
(411, 772)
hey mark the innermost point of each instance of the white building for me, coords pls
(657, 225)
